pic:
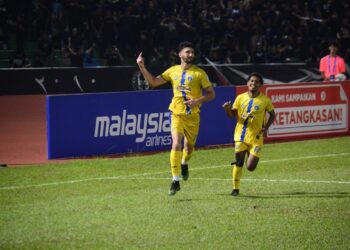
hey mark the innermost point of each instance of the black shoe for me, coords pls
(235, 192)
(174, 187)
(184, 172)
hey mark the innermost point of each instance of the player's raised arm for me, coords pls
(228, 109)
(151, 79)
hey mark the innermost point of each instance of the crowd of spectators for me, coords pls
(106, 32)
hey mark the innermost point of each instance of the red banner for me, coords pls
(308, 110)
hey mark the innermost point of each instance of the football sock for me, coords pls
(236, 176)
(185, 156)
(175, 162)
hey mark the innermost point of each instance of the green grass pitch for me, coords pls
(298, 198)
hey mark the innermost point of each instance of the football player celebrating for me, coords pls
(188, 82)
(250, 109)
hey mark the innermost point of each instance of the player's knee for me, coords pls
(251, 167)
(239, 163)
(176, 146)
(251, 164)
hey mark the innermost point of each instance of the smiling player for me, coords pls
(250, 109)
(188, 82)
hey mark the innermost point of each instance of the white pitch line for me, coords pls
(193, 169)
(281, 160)
(249, 179)
(272, 180)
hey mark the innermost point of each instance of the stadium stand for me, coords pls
(246, 31)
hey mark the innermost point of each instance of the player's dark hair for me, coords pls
(256, 75)
(185, 44)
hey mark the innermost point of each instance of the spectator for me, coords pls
(3, 43)
(19, 60)
(75, 54)
(259, 31)
(20, 32)
(80, 57)
(88, 58)
(343, 35)
(75, 39)
(113, 57)
(46, 50)
(332, 65)
(258, 46)
(3, 25)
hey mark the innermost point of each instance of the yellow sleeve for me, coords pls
(205, 83)
(166, 75)
(236, 104)
(269, 106)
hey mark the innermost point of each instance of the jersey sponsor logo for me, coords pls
(139, 125)
(183, 88)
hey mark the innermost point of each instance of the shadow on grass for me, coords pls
(184, 200)
(335, 195)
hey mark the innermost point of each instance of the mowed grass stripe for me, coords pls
(136, 176)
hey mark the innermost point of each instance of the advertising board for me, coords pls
(126, 122)
(308, 110)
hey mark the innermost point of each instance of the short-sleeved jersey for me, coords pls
(251, 117)
(187, 84)
(332, 65)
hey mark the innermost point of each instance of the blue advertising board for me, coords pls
(125, 122)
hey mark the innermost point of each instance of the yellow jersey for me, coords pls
(187, 84)
(251, 117)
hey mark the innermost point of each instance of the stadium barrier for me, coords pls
(51, 81)
(304, 111)
(130, 122)
(23, 129)
(113, 123)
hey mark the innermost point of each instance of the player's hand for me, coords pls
(140, 60)
(227, 105)
(192, 102)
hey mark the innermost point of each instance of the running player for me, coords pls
(250, 109)
(187, 81)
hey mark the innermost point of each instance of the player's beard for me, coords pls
(254, 90)
(188, 60)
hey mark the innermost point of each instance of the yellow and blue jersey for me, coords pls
(187, 84)
(251, 117)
